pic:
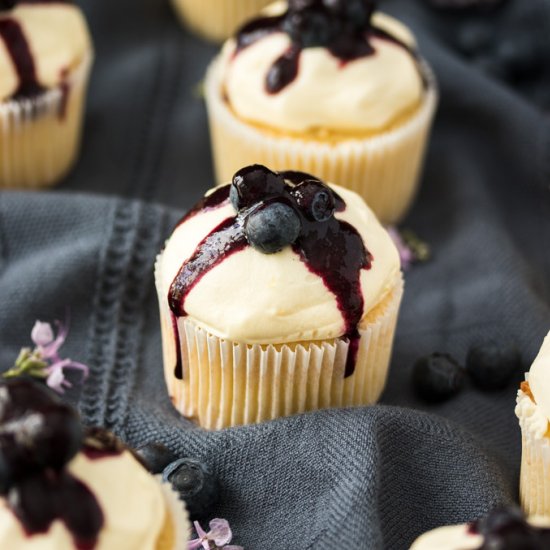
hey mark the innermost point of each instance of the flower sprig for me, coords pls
(218, 538)
(410, 247)
(44, 360)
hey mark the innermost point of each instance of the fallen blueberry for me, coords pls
(437, 377)
(491, 365)
(195, 483)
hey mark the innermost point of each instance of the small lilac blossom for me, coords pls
(405, 252)
(44, 360)
(218, 537)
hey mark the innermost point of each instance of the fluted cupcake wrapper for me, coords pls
(227, 383)
(384, 169)
(40, 137)
(177, 529)
(535, 475)
(217, 20)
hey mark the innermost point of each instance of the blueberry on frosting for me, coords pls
(274, 211)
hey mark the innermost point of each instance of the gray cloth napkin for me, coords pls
(366, 478)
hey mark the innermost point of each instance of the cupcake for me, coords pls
(278, 294)
(330, 88)
(505, 529)
(44, 67)
(533, 411)
(216, 19)
(65, 489)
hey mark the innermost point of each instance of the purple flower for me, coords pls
(405, 253)
(44, 360)
(220, 536)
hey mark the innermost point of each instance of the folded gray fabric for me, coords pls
(365, 478)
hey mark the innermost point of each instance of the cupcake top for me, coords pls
(505, 529)
(533, 401)
(41, 42)
(65, 489)
(323, 66)
(278, 258)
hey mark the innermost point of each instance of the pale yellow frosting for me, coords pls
(260, 298)
(457, 537)
(58, 38)
(131, 500)
(365, 95)
(535, 416)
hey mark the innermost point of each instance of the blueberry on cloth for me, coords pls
(437, 377)
(155, 456)
(272, 227)
(195, 483)
(491, 364)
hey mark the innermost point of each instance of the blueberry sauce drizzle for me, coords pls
(330, 248)
(508, 528)
(17, 45)
(343, 27)
(39, 436)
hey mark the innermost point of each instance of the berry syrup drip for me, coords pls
(21, 55)
(275, 210)
(22, 58)
(217, 198)
(344, 27)
(39, 436)
(508, 528)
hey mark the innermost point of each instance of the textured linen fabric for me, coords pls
(367, 478)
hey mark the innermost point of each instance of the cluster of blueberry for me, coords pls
(275, 214)
(39, 436)
(38, 432)
(507, 528)
(191, 478)
(319, 22)
(490, 365)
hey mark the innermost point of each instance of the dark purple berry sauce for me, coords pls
(508, 528)
(343, 27)
(39, 436)
(330, 248)
(17, 45)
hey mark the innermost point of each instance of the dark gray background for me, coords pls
(364, 478)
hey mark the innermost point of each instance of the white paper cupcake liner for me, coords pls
(384, 169)
(217, 19)
(535, 475)
(227, 384)
(40, 137)
(178, 530)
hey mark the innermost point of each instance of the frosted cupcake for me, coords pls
(62, 489)
(278, 294)
(44, 66)
(502, 529)
(330, 88)
(216, 19)
(533, 411)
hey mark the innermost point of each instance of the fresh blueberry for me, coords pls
(254, 184)
(155, 457)
(357, 12)
(195, 483)
(315, 200)
(310, 28)
(272, 227)
(437, 377)
(491, 365)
